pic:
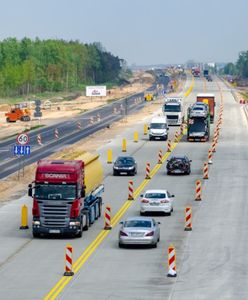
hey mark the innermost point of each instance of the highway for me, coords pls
(211, 260)
(69, 132)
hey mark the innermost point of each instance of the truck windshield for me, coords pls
(158, 126)
(172, 108)
(55, 192)
(197, 125)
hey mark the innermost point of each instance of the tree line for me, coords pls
(34, 66)
(240, 68)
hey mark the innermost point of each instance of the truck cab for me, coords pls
(173, 110)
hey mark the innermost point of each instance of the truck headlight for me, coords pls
(36, 223)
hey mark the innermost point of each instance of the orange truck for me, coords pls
(18, 113)
(210, 100)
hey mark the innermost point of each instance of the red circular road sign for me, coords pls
(22, 139)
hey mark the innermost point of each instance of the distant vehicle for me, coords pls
(173, 110)
(178, 165)
(158, 128)
(156, 201)
(196, 72)
(198, 129)
(139, 231)
(17, 113)
(198, 111)
(125, 165)
(148, 96)
(209, 78)
(205, 73)
(208, 99)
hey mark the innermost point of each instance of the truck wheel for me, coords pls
(36, 235)
(100, 207)
(80, 233)
(97, 211)
(87, 225)
(93, 215)
(7, 120)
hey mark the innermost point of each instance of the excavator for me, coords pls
(18, 113)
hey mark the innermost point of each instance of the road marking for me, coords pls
(57, 289)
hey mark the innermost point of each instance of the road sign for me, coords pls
(22, 139)
(22, 150)
(37, 112)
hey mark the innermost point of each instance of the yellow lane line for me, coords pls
(57, 289)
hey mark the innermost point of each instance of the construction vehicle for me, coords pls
(173, 110)
(148, 96)
(198, 124)
(67, 195)
(18, 113)
(208, 99)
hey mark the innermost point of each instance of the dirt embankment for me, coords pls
(64, 109)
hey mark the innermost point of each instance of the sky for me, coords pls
(143, 32)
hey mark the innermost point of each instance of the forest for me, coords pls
(240, 68)
(37, 66)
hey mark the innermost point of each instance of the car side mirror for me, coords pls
(172, 196)
(159, 223)
(190, 160)
(83, 192)
(141, 195)
(121, 223)
(148, 127)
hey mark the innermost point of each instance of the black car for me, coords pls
(125, 164)
(178, 165)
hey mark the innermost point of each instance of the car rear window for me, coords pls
(155, 195)
(138, 223)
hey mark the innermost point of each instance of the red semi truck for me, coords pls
(67, 195)
(210, 100)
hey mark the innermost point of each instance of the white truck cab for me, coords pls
(173, 110)
(158, 128)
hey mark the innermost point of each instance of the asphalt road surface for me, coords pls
(211, 260)
(69, 133)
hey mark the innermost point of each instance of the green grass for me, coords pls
(245, 95)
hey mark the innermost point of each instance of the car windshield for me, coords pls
(55, 191)
(138, 223)
(172, 108)
(155, 195)
(158, 126)
(125, 161)
(177, 159)
(197, 126)
(198, 108)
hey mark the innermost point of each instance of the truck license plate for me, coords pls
(54, 231)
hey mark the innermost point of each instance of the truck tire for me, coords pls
(7, 120)
(36, 235)
(96, 211)
(86, 227)
(80, 233)
(93, 215)
(100, 207)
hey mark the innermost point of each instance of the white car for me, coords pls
(156, 201)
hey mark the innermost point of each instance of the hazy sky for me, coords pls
(140, 31)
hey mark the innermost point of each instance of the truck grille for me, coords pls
(173, 117)
(54, 214)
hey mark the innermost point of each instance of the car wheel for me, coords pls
(142, 213)
(150, 138)
(169, 214)
(121, 246)
(172, 209)
(159, 239)
(168, 173)
(155, 245)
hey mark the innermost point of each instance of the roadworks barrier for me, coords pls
(176, 139)
(136, 136)
(169, 146)
(109, 156)
(181, 129)
(98, 117)
(107, 218)
(79, 125)
(205, 171)
(124, 145)
(172, 271)
(160, 157)
(198, 190)
(148, 169)
(188, 218)
(68, 261)
(130, 190)
(39, 140)
(210, 156)
(145, 129)
(56, 134)
(24, 217)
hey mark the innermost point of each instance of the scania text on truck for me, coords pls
(67, 195)
(209, 99)
(173, 110)
(198, 125)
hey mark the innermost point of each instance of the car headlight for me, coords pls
(130, 168)
(116, 167)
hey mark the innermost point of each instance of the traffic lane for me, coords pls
(149, 280)
(226, 198)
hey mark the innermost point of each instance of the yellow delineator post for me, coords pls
(24, 217)
(109, 156)
(145, 129)
(136, 136)
(124, 145)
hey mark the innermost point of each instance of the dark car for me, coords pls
(125, 165)
(178, 165)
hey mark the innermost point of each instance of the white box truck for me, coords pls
(173, 110)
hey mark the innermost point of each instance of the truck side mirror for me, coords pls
(83, 193)
(30, 190)
(148, 127)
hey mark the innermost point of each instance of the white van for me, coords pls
(158, 128)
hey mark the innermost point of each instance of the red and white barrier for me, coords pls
(79, 125)
(205, 171)
(169, 146)
(188, 219)
(56, 134)
(98, 116)
(68, 261)
(181, 129)
(107, 218)
(148, 168)
(171, 261)
(130, 190)
(176, 140)
(198, 190)
(39, 141)
(91, 120)
(210, 156)
(214, 146)
(160, 157)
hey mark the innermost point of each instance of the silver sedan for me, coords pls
(139, 231)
